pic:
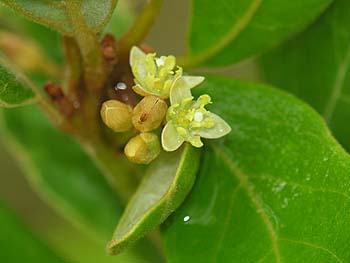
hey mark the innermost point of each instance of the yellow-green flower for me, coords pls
(188, 120)
(156, 75)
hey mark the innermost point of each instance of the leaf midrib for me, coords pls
(230, 36)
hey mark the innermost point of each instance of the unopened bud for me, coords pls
(143, 148)
(116, 115)
(26, 53)
(149, 113)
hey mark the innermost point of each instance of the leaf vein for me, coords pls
(263, 258)
(243, 178)
(227, 221)
(337, 88)
(303, 186)
(315, 246)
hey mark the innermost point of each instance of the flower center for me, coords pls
(160, 62)
(189, 116)
(198, 116)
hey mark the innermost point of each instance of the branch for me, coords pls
(141, 27)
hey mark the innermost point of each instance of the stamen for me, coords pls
(160, 62)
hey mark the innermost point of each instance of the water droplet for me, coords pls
(187, 218)
(121, 86)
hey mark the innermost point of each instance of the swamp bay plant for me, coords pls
(186, 166)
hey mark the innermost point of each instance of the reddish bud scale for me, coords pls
(64, 105)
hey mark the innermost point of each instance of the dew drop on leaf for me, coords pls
(187, 218)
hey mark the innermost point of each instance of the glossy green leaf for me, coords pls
(276, 189)
(226, 31)
(165, 186)
(18, 244)
(58, 14)
(315, 67)
(63, 174)
(15, 89)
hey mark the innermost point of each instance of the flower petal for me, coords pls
(195, 141)
(140, 90)
(135, 55)
(179, 91)
(171, 140)
(221, 128)
(193, 81)
(143, 67)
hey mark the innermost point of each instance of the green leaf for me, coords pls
(226, 31)
(18, 244)
(122, 18)
(276, 189)
(165, 186)
(315, 67)
(62, 173)
(57, 14)
(15, 88)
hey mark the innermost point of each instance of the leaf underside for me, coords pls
(166, 184)
(56, 14)
(15, 90)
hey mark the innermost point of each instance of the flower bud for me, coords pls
(25, 53)
(116, 115)
(149, 113)
(143, 148)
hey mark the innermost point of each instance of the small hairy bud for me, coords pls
(143, 148)
(116, 115)
(149, 113)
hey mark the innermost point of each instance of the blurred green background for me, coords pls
(167, 37)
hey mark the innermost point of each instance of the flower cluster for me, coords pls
(161, 83)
